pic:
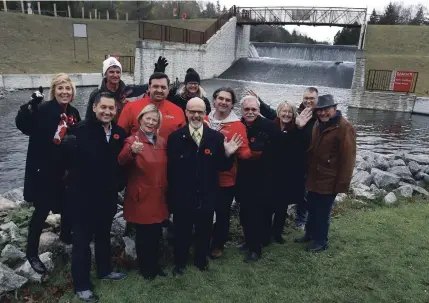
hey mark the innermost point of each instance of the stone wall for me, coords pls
(209, 60)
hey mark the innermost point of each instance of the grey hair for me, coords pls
(283, 104)
(250, 97)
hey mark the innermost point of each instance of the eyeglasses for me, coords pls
(193, 112)
(250, 109)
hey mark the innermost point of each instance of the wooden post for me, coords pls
(117, 16)
(107, 14)
(126, 16)
(90, 15)
(5, 5)
(83, 12)
(22, 7)
(95, 14)
(38, 7)
(69, 10)
(55, 9)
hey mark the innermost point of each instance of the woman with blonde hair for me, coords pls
(144, 157)
(46, 124)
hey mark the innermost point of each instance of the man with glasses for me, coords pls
(331, 160)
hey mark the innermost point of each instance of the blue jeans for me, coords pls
(319, 217)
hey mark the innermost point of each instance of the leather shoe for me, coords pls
(317, 248)
(303, 239)
(251, 256)
(178, 271)
(37, 265)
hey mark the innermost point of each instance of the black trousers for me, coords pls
(184, 222)
(147, 247)
(223, 214)
(279, 222)
(36, 225)
(88, 225)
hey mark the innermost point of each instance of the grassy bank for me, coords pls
(42, 44)
(376, 254)
(399, 47)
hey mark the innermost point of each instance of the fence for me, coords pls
(127, 62)
(153, 31)
(389, 80)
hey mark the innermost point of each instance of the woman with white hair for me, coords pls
(46, 124)
(144, 157)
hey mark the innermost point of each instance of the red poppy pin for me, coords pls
(116, 136)
(252, 140)
(207, 151)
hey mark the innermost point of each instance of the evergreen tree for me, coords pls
(419, 18)
(218, 11)
(391, 15)
(374, 18)
(347, 36)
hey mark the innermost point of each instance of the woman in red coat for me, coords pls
(144, 156)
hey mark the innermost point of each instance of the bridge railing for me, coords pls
(390, 80)
(340, 16)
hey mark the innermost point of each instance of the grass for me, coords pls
(398, 47)
(377, 254)
(32, 44)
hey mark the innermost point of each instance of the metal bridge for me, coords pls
(316, 16)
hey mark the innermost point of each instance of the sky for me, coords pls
(320, 33)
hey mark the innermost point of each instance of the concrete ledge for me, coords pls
(382, 101)
(23, 81)
(421, 106)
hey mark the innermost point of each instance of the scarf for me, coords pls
(65, 122)
(216, 124)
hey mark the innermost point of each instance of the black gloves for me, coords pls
(37, 97)
(161, 64)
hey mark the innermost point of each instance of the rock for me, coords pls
(53, 220)
(374, 188)
(414, 167)
(363, 166)
(399, 155)
(118, 226)
(11, 254)
(9, 280)
(119, 214)
(363, 191)
(12, 230)
(390, 198)
(6, 204)
(340, 197)
(362, 177)
(420, 175)
(291, 212)
(49, 241)
(426, 178)
(4, 237)
(359, 158)
(398, 162)
(400, 171)
(416, 188)
(409, 179)
(15, 195)
(425, 169)
(384, 180)
(381, 163)
(405, 191)
(130, 248)
(420, 159)
(26, 271)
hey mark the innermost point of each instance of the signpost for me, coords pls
(80, 31)
(402, 81)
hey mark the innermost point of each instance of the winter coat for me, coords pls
(193, 172)
(146, 194)
(181, 100)
(332, 156)
(228, 127)
(172, 116)
(45, 165)
(121, 95)
(95, 176)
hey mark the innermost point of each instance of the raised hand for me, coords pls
(37, 97)
(252, 93)
(137, 146)
(303, 118)
(161, 64)
(233, 144)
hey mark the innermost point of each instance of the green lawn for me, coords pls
(376, 254)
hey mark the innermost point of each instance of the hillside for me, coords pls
(41, 44)
(400, 47)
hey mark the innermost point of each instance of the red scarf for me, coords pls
(65, 122)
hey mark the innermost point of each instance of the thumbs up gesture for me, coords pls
(137, 146)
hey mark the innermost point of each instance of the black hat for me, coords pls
(192, 76)
(325, 101)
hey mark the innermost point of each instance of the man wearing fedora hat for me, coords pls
(331, 159)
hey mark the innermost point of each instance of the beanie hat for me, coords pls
(109, 62)
(192, 76)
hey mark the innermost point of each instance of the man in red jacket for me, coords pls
(172, 115)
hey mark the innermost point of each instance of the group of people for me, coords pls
(175, 155)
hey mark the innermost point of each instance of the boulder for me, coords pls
(49, 241)
(26, 271)
(416, 188)
(9, 280)
(390, 198)
(362, 177)
(53, 220)
(12, 230)
(426, 178)
(15, 195)
(408, 179)
(130, 248)
(118, 226)
(363, 191)
(400, 171)
(384, 180)
(340, 197)
(399, 155)
(6, 204)
(366, 166)
(425, 169)
(405, 191)
(420, 159)
(414, 167)
(381, 163)
(4, 237)
(11, 255)
(420, 176)
(398, 162)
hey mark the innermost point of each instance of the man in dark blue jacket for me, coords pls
(196, 155)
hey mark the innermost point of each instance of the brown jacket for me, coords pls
(332, 156)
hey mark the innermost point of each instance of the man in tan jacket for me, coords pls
(331, 159)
